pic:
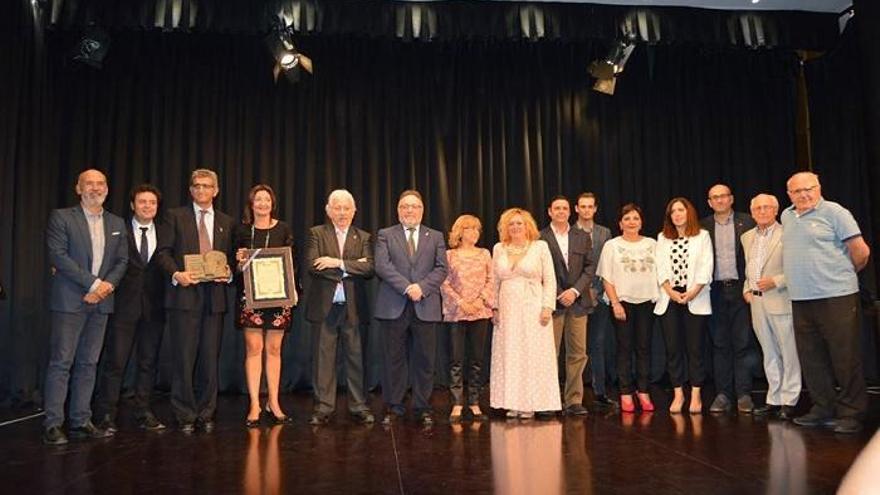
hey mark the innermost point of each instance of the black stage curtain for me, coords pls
(476, 125)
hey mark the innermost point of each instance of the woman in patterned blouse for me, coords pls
(468, 293)
(684, 271)
(629, 274)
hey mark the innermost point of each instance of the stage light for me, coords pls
(92, 47)
(606, 70)
(288, 60)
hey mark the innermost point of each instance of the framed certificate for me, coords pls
(269, 278)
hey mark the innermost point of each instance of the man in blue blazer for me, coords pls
(411, 265)
(89, 253)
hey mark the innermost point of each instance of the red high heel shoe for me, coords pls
(645, 401)
(626, 403)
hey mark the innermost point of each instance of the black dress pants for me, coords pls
(125, 335)
(827, 332)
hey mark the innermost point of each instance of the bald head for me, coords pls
(804, 190)
(91, 186)
(720, 199)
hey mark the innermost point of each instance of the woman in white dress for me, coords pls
(524, 376)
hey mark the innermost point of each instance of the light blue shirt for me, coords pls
(725, 249)
(339, 294)
(815, 257)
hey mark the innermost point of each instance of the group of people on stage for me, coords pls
(794, 283)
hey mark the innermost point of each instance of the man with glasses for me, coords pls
(196, 308)
(823, 249)
(729, 329)
(766, 292)
(411, 264)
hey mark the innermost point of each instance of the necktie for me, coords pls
(411, 242)
(145, 248)
(204, 240)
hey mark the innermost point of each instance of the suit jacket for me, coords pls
(141, 293)
(776, 300)
(396, 271)
(741, 223)
(357, 257)
(601, 235)
(701, 266)
(70, 254)
(580, 271)
(184, 239)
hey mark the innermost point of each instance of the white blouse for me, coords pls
(630, 267)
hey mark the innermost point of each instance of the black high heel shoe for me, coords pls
(252, 423)
(276, 420)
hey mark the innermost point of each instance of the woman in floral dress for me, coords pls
(264, 328)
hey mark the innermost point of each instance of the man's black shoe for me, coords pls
(603, 402)
(575, 410)
(363, 417)
(847, 426)
(88, 430)
(107, 423)
(150, 423)
(426, 419)
(545, 415)
(813, 420)
(319, 419)
(206, 425)
(786, 413)
(390, 418)
(53, 435)
(766, 410)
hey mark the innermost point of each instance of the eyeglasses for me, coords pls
(202, 186)
(716, 197)
(803, 189)
(764, 208)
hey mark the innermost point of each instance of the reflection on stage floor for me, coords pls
(604, 452)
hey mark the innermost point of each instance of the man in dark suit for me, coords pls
(601, 341)
(572, 260)
(730, 328)
(340, 259)
(88, 253)
(139, 317)
(411, 265)
(196, 308)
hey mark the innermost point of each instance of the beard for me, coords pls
(94, 200)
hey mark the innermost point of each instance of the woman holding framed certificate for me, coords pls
(263, 327)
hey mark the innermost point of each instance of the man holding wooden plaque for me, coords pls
(197, 256)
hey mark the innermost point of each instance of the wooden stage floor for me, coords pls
(600, 453)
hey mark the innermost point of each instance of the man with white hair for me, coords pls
(340, 260)
(823, 249)
(766, 292)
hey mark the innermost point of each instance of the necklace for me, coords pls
(515, 250)
(268, 233)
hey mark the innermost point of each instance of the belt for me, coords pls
(756, 293)
(733, 282)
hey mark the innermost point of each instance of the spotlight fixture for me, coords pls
(606, 70)
(288, 59)
(92, 47)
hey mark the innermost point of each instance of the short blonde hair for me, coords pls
(507, 216)
(461, 223)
